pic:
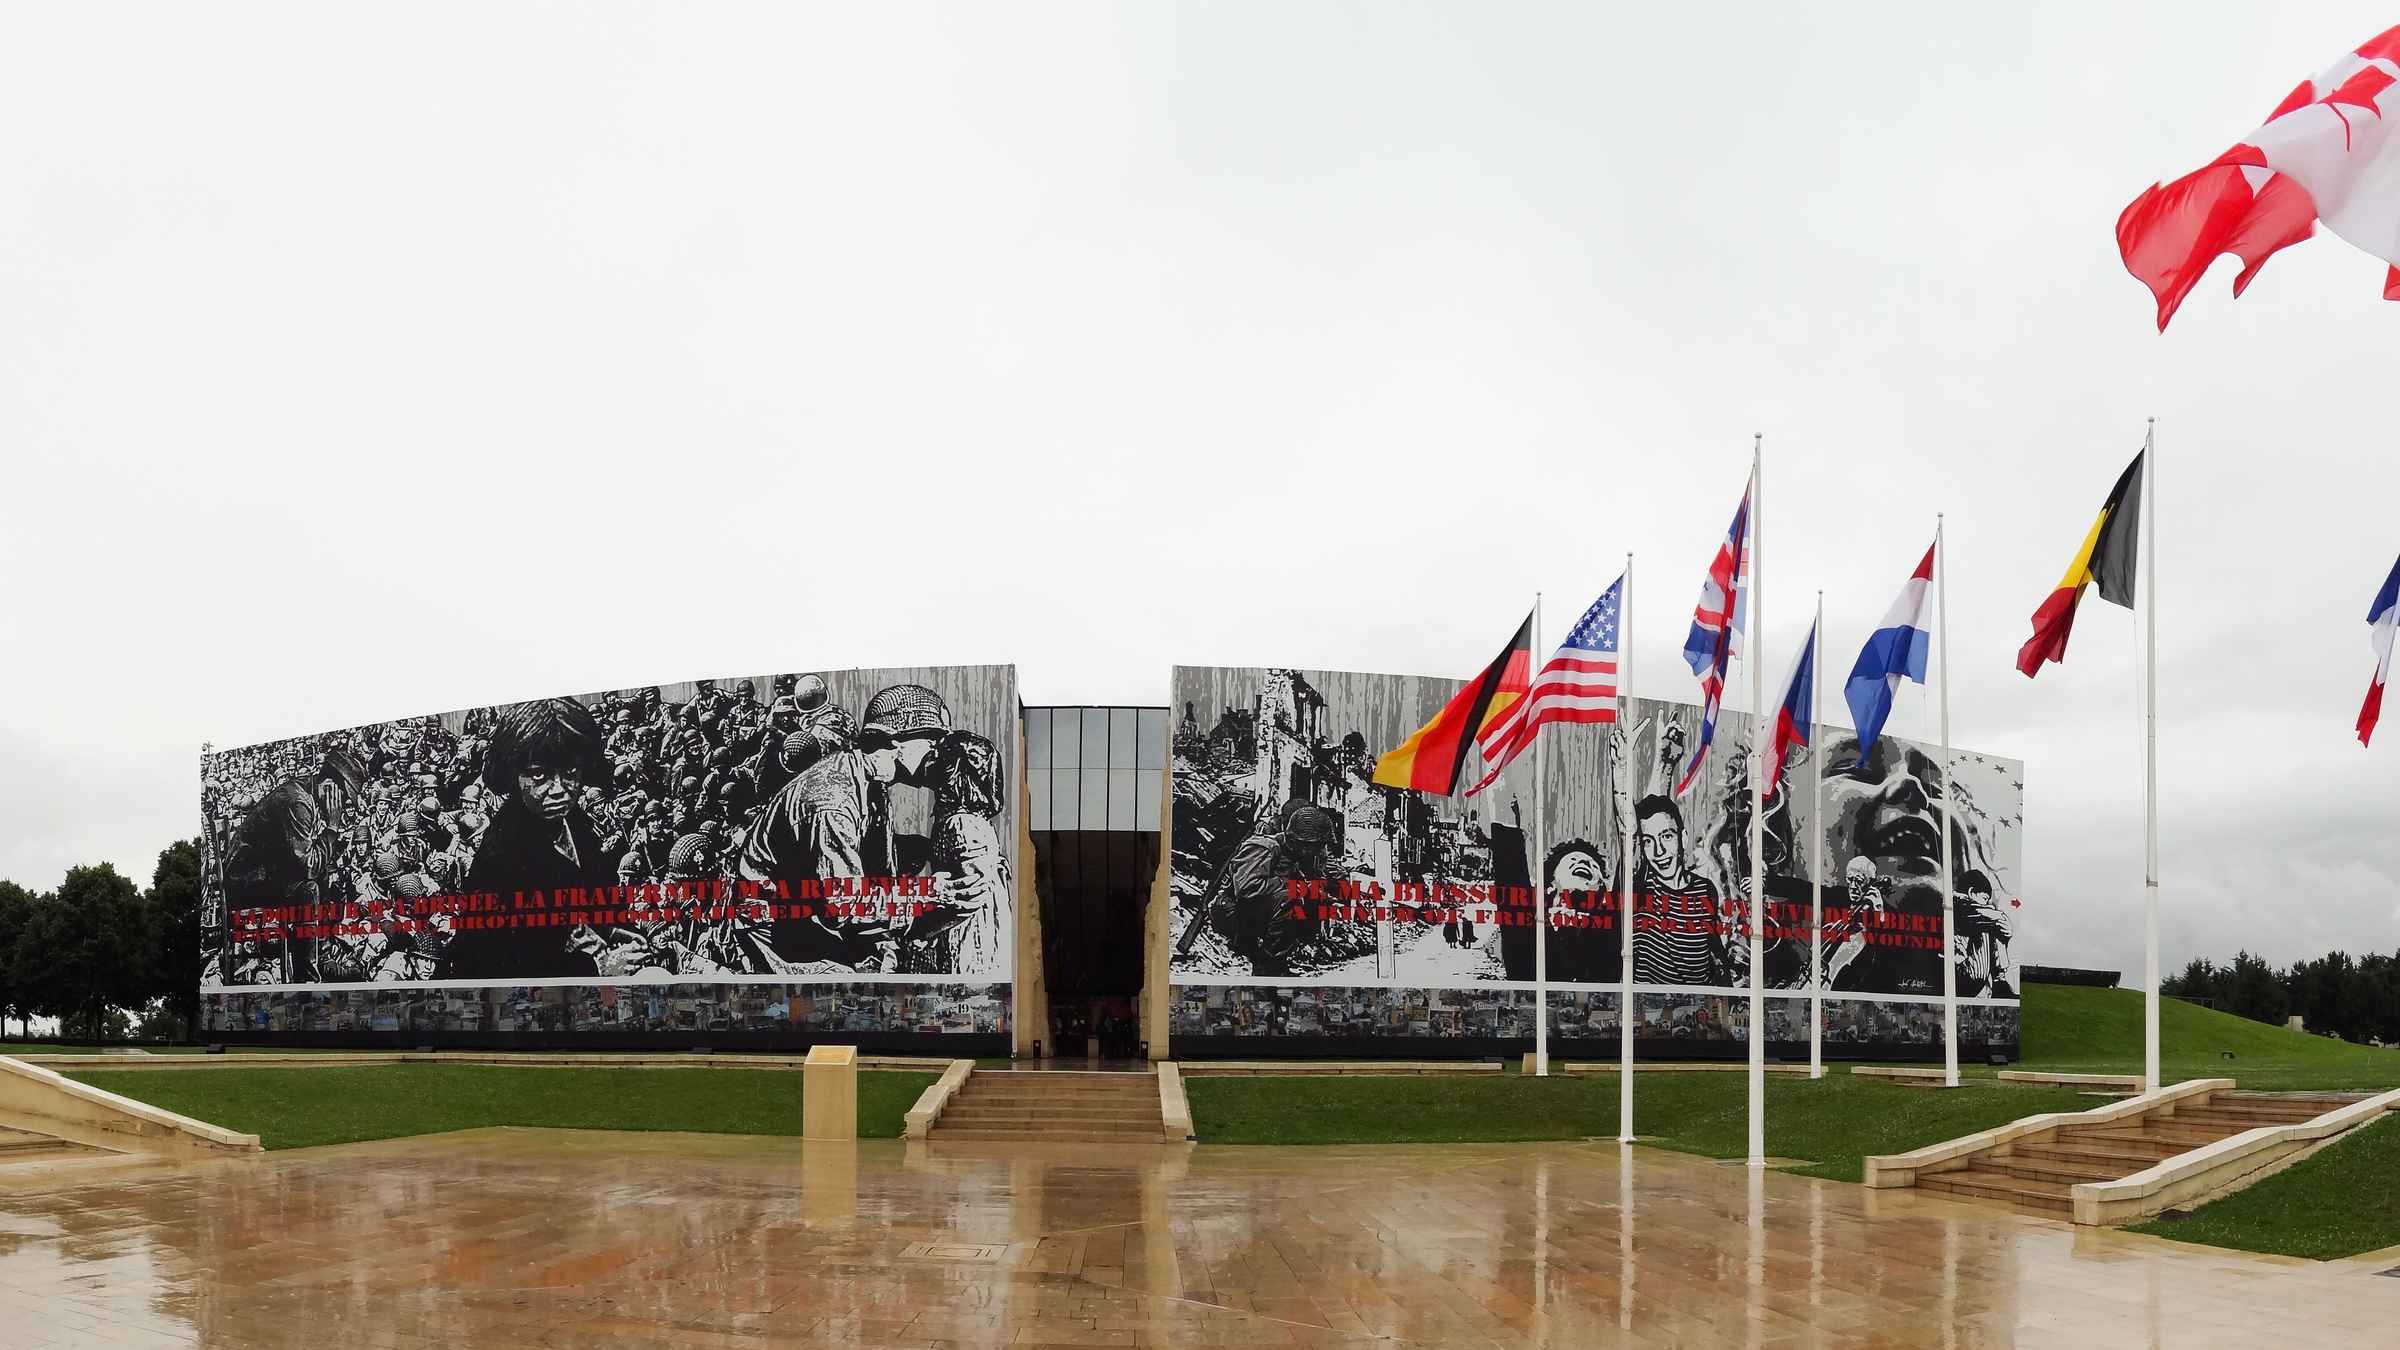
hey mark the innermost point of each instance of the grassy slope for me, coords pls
(2100, 1031)
(2341, 1202)
(295, 1108)
(1834, 1122)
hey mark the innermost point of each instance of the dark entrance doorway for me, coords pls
(1096, 784)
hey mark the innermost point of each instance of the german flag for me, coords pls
(2107, 557)
(1435, 758)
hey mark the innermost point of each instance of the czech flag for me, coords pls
(1435, 758)
(1795, 717)
(2107, 557)
(1897, 649)
(2380, 622)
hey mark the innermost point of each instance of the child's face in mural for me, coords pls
(1889, 810)
(546, 792)
(1577, 871)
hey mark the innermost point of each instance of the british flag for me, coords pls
(1717, 625)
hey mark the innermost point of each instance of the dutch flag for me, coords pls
(1897, 648)
(2380, 621)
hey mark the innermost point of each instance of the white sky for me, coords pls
(366, 362)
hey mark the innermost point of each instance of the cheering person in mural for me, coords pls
(958, 930)
(1886, 812)
(540, 756)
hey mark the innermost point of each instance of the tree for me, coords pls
(85, 948)
(175, 918)
(16, 907)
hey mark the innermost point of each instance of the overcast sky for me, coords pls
(363, 362)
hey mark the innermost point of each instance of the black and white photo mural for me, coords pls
(1315, 905)
(785, 853)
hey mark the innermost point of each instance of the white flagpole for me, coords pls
(1941, 584)
(1816, 848)
(1627, 1006)
(2149, 528)
(1758, 807)
(1541, 889)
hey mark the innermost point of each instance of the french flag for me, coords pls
(1793, 719)
(2380, 622)
(1898, 647)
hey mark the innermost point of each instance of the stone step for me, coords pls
(2234, 1124)
(2120, 1162)
(964, 1115)
(2050, 1197)
(1065, 1136)
(1071, 1125)
(2068, 1170)
(2129, 1139)
(2181, 1140)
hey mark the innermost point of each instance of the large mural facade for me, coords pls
(760, 859)
(1316, 906)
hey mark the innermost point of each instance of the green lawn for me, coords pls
(2072, 1030)
(2341, 1202)
(1834, 1122)
(296, 1108)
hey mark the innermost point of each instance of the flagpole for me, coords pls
(1816, 847)
(1541, 888)
(1627, 1006)
(1941, 582)
(2149, 519)
(1758, 804)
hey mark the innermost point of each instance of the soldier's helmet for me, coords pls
(1309, 826)
(685, 856)
(809, 692)
(906, 710)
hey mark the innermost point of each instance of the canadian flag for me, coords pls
(2328, 152)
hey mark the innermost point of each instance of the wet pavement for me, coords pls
(567, 1238)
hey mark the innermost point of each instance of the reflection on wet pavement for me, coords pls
(566, 1238)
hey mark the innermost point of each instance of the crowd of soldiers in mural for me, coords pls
(734, 783)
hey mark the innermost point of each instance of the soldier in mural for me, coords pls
(834, 820)
(629, 787)
(1249, 904)
(286, 848)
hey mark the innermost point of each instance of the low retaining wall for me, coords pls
(1901, 1169)
(42, 1101)
(2213, 1169)
(2130, 1081)
(931, 1101)
(533, 1059)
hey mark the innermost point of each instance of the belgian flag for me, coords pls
(2107, 558)
(1435, 758)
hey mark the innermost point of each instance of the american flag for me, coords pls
(1579, 684)
(1716, 628)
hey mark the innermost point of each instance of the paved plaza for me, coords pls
(565, 1238)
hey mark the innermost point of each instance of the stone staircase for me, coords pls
(1056, 1107)
(2040, 1174)
(25, 1146)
